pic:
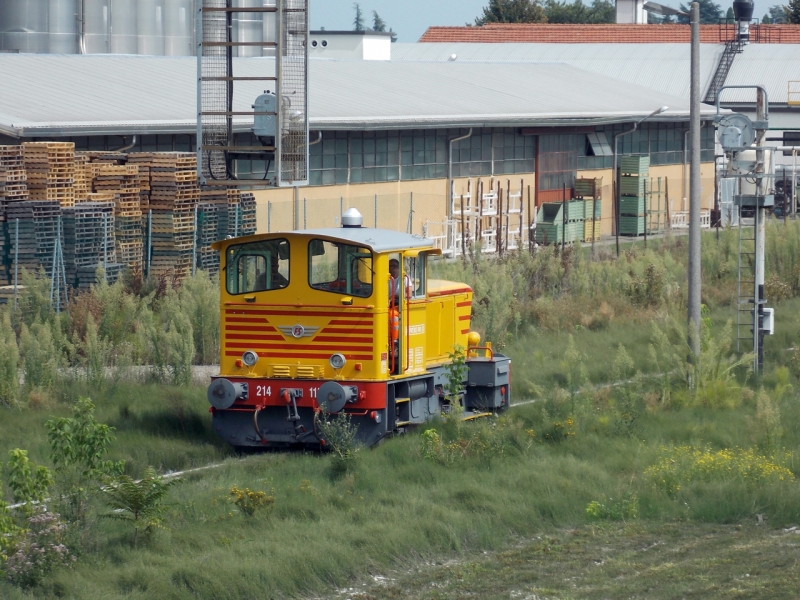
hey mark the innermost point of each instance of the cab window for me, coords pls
(416, 268)
(340, 268)
(257, 266)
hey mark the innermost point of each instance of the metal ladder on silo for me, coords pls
(746, 287)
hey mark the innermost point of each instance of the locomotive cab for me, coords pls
(317, 322)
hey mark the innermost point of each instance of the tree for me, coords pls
(512, 11)
(777, 13)
(378, 24)
(710, 13)
(729, 15)
(139, 502)
(601, 11)
(766, 19)
(358, 22)
(793, 12)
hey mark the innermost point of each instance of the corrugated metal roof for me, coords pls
(769, 65)
(114, 94)
(660, 67)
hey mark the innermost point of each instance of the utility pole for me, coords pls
(694, 187)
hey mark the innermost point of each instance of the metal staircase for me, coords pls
(746, 286)
(732, 48)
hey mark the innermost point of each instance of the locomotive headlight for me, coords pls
(337, 361)
(249, 358)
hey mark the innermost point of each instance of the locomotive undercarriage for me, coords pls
(286, 417)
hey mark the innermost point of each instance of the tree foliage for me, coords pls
(512, 11)
(601, 11)
(777, 13)
(792, 11)
(378, 24)
(358, 20)
(29, 485)
(710, 13)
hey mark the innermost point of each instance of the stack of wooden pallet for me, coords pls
(212, 225)
(241, 213)
(33, 238)
(143, 160)
(88, 231)
(174, 193)
(50, 170)
(83, 179)
(13, 188)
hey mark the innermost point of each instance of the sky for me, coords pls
(410, 18)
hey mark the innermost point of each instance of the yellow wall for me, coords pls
(320, 206)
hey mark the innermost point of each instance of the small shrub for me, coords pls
(78, 445)
(250, 502)
(648, 290)
(616, 510)
(688, 464)
(558, 431)
(29, 486)
(339, 436)
(40, 356)
(627, 394)
(9, 363)
(41, 551)
(768, 422)
(138, 502)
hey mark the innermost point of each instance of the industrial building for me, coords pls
(379, 127)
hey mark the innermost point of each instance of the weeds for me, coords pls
(616, 510)
(338, 435)
(41, 551)
(687, 464)
(250, 502)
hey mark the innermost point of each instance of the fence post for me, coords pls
(105, 246)
(269, 217)
(376, 210)
(305, 214)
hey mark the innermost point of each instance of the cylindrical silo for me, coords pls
(23, 26)
(248, 27)
(98, 22)
(63, 26)
(179, 28)
(150, 21)
(123, 37)
(270, 31)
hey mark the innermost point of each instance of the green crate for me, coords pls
(631, 205)
(635, 165)
(550, 212)
(588, 188)
(575, 210)
(631, 225)
(592, 209)
(547, 233)
(631, 186)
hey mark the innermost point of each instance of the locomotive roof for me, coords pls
(377, 240)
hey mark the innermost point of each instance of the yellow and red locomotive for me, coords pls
(331, 320)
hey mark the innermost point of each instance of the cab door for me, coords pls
(415, 330)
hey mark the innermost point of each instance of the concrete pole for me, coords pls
(694, 187)
(760, 226)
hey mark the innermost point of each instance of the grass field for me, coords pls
(644, 489)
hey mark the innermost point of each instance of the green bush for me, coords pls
(9, 362)
(41, 358)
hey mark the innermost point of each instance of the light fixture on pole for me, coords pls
(658, 111)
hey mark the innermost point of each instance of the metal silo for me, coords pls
(248, 27)
(23, 26)
(123, 37)
(179, 28)
(150, 20)
(63, 26)
(98, 22)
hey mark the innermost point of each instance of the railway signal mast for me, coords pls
(751, 163)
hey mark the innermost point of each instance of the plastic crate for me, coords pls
(588, 188)
(631, 186)
(549, 233)
(591, 230)
(592, 209)
(632, 205)
(634, 165)
(631, 225)
(575, 210)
